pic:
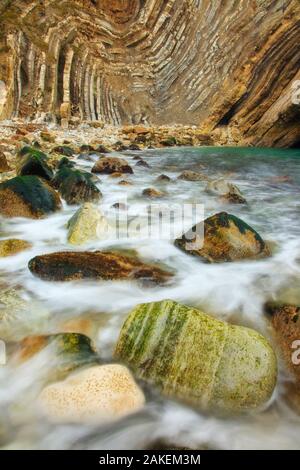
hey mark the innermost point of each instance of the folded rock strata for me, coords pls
(230, 69)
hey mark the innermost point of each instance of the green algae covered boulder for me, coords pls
(34, 162)
(27, 196)
(223, 238)
(76, 186)
(195, 358)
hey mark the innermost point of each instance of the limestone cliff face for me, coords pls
(227, 66)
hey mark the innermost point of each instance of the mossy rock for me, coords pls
(65, 162)
(110, 165)
(76, 186)
(13, 246)
(32, 151)
(195, 358)
(71, 266)
(63, 150)
(27, 196)
(226, 238)
(87, 224)
(34, 162)
(68, 351)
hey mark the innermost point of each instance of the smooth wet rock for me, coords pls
(120, 206)
(125, 183)
(13, 246)
(189, 175)
(102, 149)
(34, 162)
(66, 351)
(4, 166)
(142, 163)
(87, 224)
(20, 317)
(28, 196)
(153, 193)
(226, 238)
(285, 319)
(64, 150)
(72, 266)
(76, 186)
(65, 162)
(109, 165)
(195, 358)
(134, 147)
(227, 191)
(163, 179)
(98, 394)
(286, 325)
(86, 148)
(120, 147)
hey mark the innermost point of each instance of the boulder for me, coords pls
(153, 193)
(125, 183)
(109, 165)
(195, 358)
(102, 149)
(163, 179)
(27, 196)
(87, 224)
(20, 317)
(227, 191)
(12, 246)
(71, 266)
(134, 147)
(142, 163)
(64, 150)
(286, 327)
(34, 162)
(189, 175)
(76, 186)
(226, 238)
(4, 167)
(65, 162)
(67, 351)
(95, 395)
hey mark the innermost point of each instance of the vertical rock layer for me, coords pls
(231, 67)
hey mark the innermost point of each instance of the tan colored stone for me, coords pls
(96, 395)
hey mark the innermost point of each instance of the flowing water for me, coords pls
(235, 292)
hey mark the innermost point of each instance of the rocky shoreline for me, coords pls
(181, 352)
